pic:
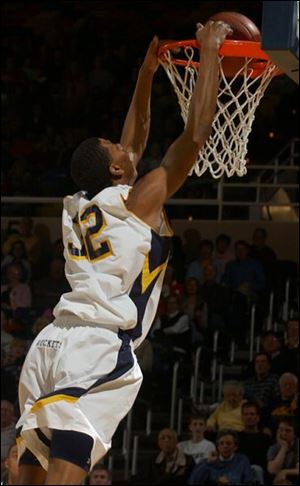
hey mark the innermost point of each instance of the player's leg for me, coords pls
(69, 457)
(30, 470)
(64, 472)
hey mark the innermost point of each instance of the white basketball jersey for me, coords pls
(115, 263)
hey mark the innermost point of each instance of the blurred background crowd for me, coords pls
(68, 72)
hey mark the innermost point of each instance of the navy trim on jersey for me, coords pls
(159, 253)
(29, 459)
(125, 361)
(43, 438)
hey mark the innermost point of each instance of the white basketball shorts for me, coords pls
(76, 377)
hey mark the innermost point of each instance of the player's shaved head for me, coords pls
(90, 166)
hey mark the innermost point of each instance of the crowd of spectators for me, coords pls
(248, 456)
(191, 308)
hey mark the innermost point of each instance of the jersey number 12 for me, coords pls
(92, 248)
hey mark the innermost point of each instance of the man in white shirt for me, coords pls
(198, 447)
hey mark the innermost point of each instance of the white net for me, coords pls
(238, 97)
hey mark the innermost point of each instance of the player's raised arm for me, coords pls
(182, 154)
(151, 191)
(137, 123)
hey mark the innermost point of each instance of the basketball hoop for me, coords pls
(245, 73)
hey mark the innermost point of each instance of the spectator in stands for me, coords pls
(229, 413)
(26, 235)
(283, 456)
(262, 388)
(9, 384)
(170, 337)
(288, 359)
(199, 326)
(265, 255)
(43, 250)
(11, 466)
(192, 297)
(15, 295)
(191, 244)
(204, 257)
(286, 403)
(225, 466)
(18, 351)
(100, 474)
(271, 343)
(198, 447)
(48, 290)
(170, 285)
(14, 358)
(252, 442)
(17, 254)
(222, 254)
(244, 274)
(245, 279)
(293, 333)
(217, 298)
(171, 465)
(8, 431)
(6, 337)
(172, 328)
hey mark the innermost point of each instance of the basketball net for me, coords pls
(238, 97)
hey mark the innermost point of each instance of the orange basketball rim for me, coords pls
(245, 73)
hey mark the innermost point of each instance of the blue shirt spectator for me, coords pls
(225, 466)
(244, 274)
(205, 257)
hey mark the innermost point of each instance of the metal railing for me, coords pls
(284, 162)
(217, 380)
(174, 393)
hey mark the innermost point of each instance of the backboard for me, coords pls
(280, 35)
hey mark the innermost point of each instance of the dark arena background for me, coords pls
(230, 296)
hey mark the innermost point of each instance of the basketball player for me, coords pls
(81, 376)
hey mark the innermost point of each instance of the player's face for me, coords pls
(120, 156)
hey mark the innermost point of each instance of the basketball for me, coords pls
(243, 29)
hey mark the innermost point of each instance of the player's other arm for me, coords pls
(137, 123)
